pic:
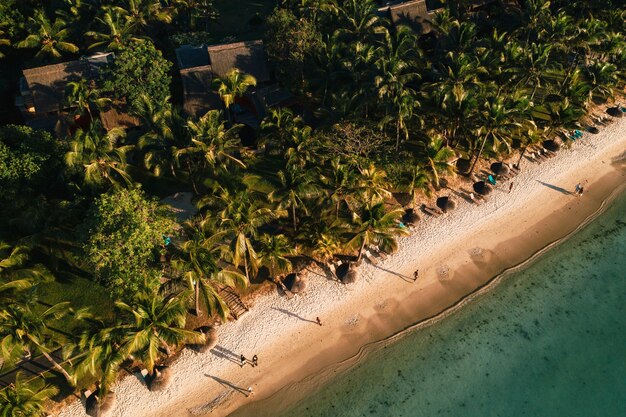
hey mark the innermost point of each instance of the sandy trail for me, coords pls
(473, 243)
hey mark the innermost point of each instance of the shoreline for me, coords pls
(276, 404)
(473, 242)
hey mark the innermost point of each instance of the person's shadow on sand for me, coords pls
(555, 188)
(228, 384)
(289, 313)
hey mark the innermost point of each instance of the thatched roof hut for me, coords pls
(410, 217)
(197, 91)
(413, 13)
(446, 203)
(249, 57)
(499, 168)
(296, 283)
(482, 188)
(47, 84)
(189, 56)
(159, 379)
(551, 145)
(115, 117)
(615, 111)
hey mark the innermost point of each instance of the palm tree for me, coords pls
(323, 238)
(118, 30)
(437, 155)
(273, 251)
(241, 219)
(497, 126)
(291, 187)
(49, 37)
(99, 155)
(372, 185)
(414, 181)
(83, 95)
(212, 144)
(103, 351)
(4, 41)
(200, 263)
(16, 272)
(374, 226)
(23, 332)
(392, 82)
(162, 135)
(25, 399)
(340, 181)
(154, 322)
(144, 13)
(358, 21)
(234, 85)
(196, 11)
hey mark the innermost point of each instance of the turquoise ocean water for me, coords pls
(549, 340)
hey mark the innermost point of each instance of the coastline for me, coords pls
(508, 229)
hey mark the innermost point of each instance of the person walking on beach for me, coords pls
(255, 360)
(510, 187)
(416, 274)
(577, 189)
(580, 191)
(243, 360)
(250, 392)
(317, 319)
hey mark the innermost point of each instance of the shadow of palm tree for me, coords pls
(289, 313)
(555, 188)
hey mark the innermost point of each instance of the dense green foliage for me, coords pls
(138, 69)
(380, 110)
(125, 231)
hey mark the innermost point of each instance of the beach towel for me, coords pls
(491, 180)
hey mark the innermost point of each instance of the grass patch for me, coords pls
(80, 292)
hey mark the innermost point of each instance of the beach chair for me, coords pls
(432, 211)
(478, 200)
(368, 256)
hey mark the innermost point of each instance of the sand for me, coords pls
(473, 244)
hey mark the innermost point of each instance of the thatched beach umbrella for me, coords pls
(347, 272)
(446, 203)
(159, 379)
(410, 217)
(482, 188)
(99, 407)
(615, 111)
(296, 283)
(92, 405)
(463, 165)
(551, 145)
(499, 168)
(107, 403)
(210, 339)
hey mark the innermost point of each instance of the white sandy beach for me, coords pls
(473, 242)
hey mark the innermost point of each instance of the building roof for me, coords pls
(189, 56)
(116, 116)
(47, 84)
(411, 13)
(249, 57)
(197, 89)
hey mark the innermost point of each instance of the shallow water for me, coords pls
(549, 340)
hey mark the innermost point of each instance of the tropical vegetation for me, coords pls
(382, 112)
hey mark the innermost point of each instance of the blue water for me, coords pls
(550, 340)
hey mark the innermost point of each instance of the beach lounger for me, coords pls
(477, 199)
(432, 211)
(368, 256)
